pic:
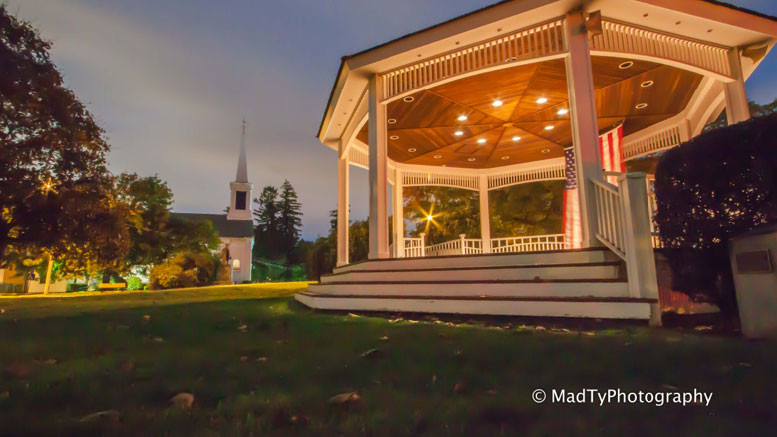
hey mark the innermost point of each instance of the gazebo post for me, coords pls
(485, 215)
(399, 214)
(378, 221)
(737, 106)
(342, 209)
(583, 118)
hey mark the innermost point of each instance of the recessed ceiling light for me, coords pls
(411, 150)
(409, 99)
(437, 156)
(391, 121)
(516, 138)
(545, 150)
(394, 137)
(458, 133)
(625, 65)
(505, 158)
(542, 100)
(563, 111)
(481, 141)
(646, 83)
(497, 103)
(470, 159)
(549, 127)
(641, 106)
(462, 118)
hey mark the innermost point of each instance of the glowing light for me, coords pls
(563, 111)
(429, 218)
(458, 133)
(641, 106)
(481, 141)
(516, 138)
(462, 118)
(497, 103)
(542, 100)
(549, 127)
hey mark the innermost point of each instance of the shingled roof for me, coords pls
(225, 228)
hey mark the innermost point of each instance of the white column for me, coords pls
(342, 209)
(378, 221)
(737, 106)
(399, 213)
(585, 130)
(485, 215)
(640, 261)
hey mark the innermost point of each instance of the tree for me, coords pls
(527, 209)
(266, 231)
(55, 190)
(715, 186)
(290, 221)
(455, 211)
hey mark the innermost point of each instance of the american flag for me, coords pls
(611, 148)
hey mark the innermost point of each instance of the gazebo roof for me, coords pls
(426, 130)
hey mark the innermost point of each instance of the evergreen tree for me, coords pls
(266, 232)
(290, 220)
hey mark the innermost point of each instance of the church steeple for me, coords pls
(242, 167)
(240, 189)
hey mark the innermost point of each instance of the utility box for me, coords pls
(753, 257)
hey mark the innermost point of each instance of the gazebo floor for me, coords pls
(573, 283)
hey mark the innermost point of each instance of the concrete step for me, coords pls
(606, 270)
(579, 256)
(511, 288)
(604, 308)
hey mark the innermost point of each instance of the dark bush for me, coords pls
(718, 185)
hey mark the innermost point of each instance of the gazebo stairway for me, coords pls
(568, 283)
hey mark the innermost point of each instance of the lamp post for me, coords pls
(47, 285)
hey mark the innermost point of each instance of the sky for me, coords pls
(170, 82)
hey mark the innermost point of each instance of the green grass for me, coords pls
(258, 363)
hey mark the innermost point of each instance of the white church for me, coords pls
(236, 227)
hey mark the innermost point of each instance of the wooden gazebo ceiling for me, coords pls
(426, 129)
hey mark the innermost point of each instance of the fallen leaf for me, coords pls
(744, 364)
(158, 339)
(372, 353)
(344, 398)
(244, 358)
(101, 415)
(491, 392)
(703, 328)
(182, 400)
(353, 315)
(459, 387)
(242, 328)
(384, 338)
(434, 379)
(146, 317)
(540, 328)
(5, 395)
(262, 359)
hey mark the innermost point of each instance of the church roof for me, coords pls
(225, 228)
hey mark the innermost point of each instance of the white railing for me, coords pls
(609, 217)
(626, 38)
(662, 140)
(548, 172)
(459, 246)
(535, 42)
(419, 178)
(415, 247)
(533, 243)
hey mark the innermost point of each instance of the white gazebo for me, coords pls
(519, 92)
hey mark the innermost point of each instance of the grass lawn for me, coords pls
(258, 363)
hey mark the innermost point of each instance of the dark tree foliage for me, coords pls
(186, 269)
(290, 221)
(266, 231)
(455, 211)
(321, 256)
(527, 209)
(54, 187)
(156, 235)
(718, 185)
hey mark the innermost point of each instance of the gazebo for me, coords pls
(519, 92)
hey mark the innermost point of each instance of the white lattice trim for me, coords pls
(418, 178)
(359, 157)
(625, 38)
(522, 176)
(538, 41)
(661, 140)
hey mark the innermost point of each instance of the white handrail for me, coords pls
(415, 247)
(532, 243)
(609, 217)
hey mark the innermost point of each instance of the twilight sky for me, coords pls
(171, 80)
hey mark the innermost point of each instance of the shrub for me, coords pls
(134, 283)
(718, 185)
(186, 269)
